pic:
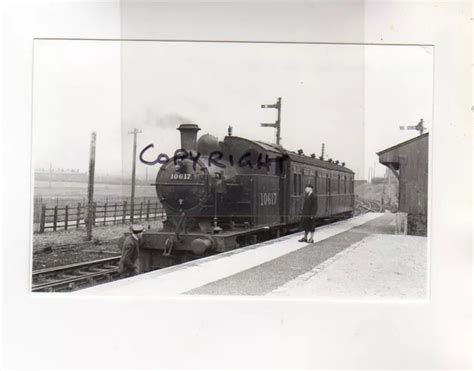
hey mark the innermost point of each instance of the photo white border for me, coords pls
(93, 332)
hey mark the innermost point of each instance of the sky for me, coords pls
(353, 98)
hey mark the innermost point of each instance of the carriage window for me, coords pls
(345, 189)
(300, 191)
(338, 184)
(295, 184)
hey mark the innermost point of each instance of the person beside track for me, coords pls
(128, 265)
(308, 214)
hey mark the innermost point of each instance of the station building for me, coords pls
(409, 162)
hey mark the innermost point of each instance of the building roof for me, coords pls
(403, 143)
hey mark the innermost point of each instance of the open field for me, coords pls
(60, 204)
(60, 193)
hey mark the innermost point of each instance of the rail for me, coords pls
(74, 276)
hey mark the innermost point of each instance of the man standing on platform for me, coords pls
(308, 215)
(128, 265)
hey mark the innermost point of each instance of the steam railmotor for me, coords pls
(222, 195)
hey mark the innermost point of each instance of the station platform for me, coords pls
(361, 257)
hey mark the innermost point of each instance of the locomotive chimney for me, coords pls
(189, 136)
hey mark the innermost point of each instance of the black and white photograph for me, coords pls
(230, 168)
(236, 184)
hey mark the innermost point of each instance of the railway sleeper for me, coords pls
(97, 269)
(83, 272)
(68, 275)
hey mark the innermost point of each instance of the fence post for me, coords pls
(94, 207)
(66, 216)
(42, 218)
(148, 210)
(55, 217)
(105, 213)
(78, 216)
(124, 215)
(115, 213)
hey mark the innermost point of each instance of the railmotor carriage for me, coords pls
(222, 195)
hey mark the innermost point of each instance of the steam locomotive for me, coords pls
(222, 195)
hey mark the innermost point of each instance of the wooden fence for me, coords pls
(73, 216)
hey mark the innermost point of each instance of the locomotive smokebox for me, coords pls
(189, 136)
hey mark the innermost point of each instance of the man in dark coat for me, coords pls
(308, 215)
(128, 265)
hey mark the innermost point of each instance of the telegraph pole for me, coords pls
(277, 124)
(322, 152)
(90, 188)
(134, 168)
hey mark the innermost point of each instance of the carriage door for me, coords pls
(328, 192)
(283, 170)
(316, 191)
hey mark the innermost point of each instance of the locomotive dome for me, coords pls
(207, 143)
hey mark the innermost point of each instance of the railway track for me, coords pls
(74, 276)
(73, 246)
